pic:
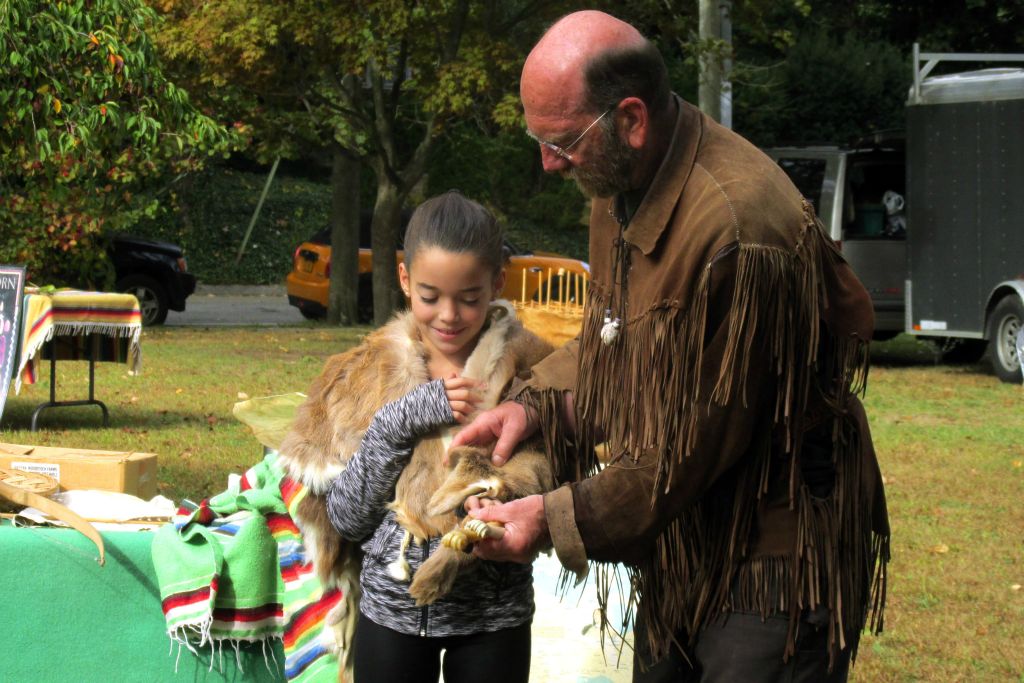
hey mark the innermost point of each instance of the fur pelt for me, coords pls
(341, 402)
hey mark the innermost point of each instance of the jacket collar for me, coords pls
(652, 217)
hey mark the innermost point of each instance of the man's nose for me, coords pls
(552, 161)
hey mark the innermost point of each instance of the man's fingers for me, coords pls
(473, 434)
(476, 503)
(485, 513)
(507, 441)
(525, 530)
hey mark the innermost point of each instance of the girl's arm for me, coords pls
(357, 498)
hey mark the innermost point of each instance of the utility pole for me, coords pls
(714, 92)
(725, 9)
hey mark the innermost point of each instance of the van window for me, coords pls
(808, 175)
(874, 206)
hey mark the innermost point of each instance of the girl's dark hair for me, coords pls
(634, 71)
(454, 223)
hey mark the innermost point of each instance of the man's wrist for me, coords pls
(531, 418)
(544, 537)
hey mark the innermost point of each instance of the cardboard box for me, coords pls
(81, 468)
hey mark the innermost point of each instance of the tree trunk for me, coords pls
(343, 295)
(387, 218)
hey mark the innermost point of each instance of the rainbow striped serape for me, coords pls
(235, 570)
(77, 314)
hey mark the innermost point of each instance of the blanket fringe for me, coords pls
(133, 334)
(184, 635)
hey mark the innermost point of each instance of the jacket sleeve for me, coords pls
(357, 498)
(556, 371)
(616, 514)
(551, 381)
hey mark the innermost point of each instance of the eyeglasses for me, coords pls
(564, 151)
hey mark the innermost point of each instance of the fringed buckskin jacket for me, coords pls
(742, 473)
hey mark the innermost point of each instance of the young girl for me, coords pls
(390, 403)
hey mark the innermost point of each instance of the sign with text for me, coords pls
(12, 289)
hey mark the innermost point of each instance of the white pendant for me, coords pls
(610, 330)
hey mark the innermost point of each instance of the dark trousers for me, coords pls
(747, 650)
(385, 656)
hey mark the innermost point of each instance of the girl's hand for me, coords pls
(464, 394)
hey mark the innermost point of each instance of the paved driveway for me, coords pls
(235, 305)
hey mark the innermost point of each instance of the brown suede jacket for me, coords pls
(742, 473)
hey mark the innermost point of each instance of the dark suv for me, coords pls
(155, 272)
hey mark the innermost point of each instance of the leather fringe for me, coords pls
(570, 459)
(702, 567)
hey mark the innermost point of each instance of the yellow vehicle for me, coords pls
(530, 276)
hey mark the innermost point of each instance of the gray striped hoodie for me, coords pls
(488, 597)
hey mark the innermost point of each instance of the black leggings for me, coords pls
(385, 656)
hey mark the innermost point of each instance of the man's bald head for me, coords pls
(588, 61)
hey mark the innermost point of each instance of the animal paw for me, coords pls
(470, 532)
(399, 570)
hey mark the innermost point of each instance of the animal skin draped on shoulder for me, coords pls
(343, 399)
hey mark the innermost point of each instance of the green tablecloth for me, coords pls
(68, 619)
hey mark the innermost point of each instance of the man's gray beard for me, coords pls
(610, 172)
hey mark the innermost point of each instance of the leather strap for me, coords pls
(55, 510)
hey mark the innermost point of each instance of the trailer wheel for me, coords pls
(1003, 326)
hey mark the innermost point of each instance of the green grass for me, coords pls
(179, 407)
(951, 445)
(950, 441)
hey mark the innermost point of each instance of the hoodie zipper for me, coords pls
(424, 551)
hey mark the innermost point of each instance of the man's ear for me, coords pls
(634, 121)
(403, 279)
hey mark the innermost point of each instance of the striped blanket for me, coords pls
(234, 571)
(76, 314)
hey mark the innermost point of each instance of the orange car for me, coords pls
(530, 276)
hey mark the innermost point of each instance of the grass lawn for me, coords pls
(950, 441)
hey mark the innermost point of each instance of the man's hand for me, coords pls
(526, 530)
(505, 425)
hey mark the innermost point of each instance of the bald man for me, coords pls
(723, 345)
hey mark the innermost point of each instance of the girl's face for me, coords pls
(449, 294)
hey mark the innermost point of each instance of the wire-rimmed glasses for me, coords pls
(561, 151)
